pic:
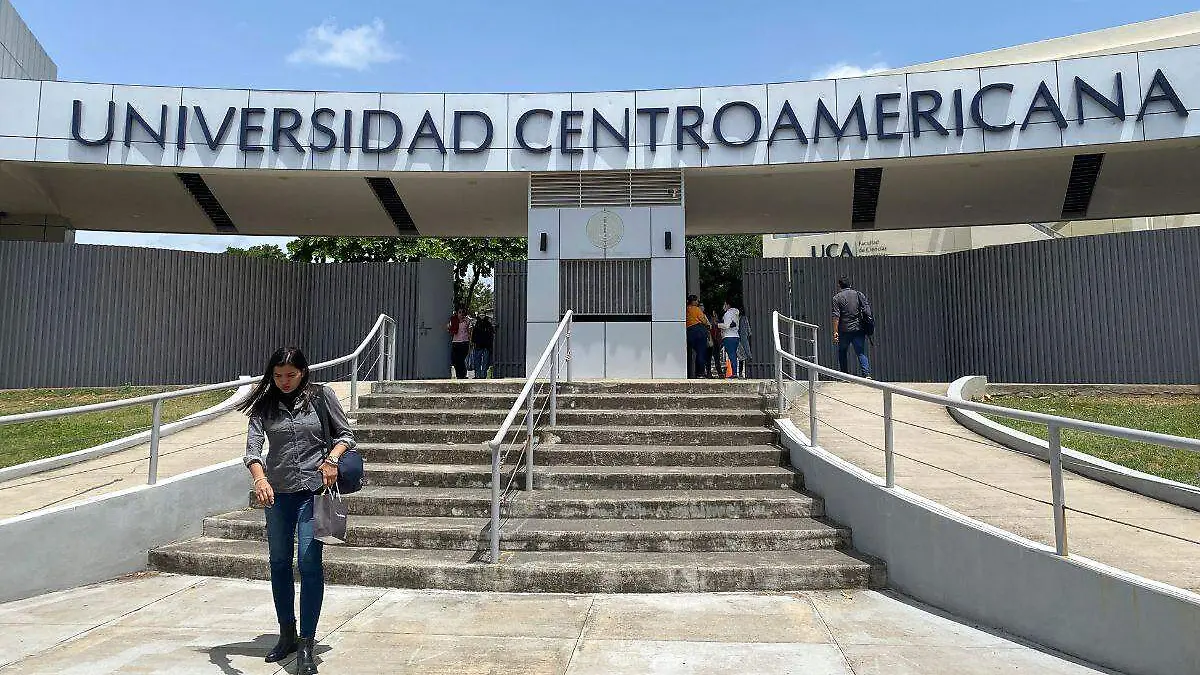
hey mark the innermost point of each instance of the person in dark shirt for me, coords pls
(482, 337)
(850, 307)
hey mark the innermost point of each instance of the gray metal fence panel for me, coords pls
(102, 316)
(511, 316)
(764, 289)
(1120, 308)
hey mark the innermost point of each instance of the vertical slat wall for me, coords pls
(764, 290)
(1121, 308)
(511, 313)
(102, 316)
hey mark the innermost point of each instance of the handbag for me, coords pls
(350, 464)
(330, 517)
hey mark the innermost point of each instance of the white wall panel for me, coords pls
(1169, 125)
(215, 103)
(199, 155)
(573, 241)
(1045, 135)
(605, 159)
(737, 124)
(936, 144)
(853, 147)
(587, 350)
(143, 154)
(635, 242)
(668, 156)
(747, 155)
(64, 150)
(1000, 108)
(1099, 131)
(945, 82)
(54, 118)
(1099, 72)
(668, 287)
(541, 130)
(627, 349)
(542, 285)
(523, 160)
(850, 89)
(19, 114)
(148, 101)
(665, 219)
(669, 350)
(494, 106)
(1179, 66)
(665, 130)
(537, 336)
(18, 149)
(543, 221)
(612, 105)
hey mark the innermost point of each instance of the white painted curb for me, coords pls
(1172, 492)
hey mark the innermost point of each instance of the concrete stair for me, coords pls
(642, 487)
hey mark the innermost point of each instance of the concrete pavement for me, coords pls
(217, 440)
(160, 623)
(978, 478)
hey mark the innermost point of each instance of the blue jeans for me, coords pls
(859, 341)
(697, 341)
(731, 345)
(483, 361)
(292, 512)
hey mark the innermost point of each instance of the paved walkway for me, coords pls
(215, 441)
(974, 476)
(156, 623)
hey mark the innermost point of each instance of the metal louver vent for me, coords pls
(1085, 169)
(385, 192)
(866, 197)
(194, 183)
(608, 289)
(577, 189)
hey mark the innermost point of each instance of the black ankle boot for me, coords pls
(288, 642)
(305, 665)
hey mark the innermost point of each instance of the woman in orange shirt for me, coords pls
(697, 336)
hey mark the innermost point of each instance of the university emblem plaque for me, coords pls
(605, 229)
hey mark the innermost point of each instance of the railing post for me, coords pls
(568, 344)
(495, 533)
(1056, 484)
(812, 407)
(529, 440)
(889, 457)
(391, 372)
(354, 384)
(794, 351)
(379, 370)
(781, 400)
(554, 388)
(155, 433)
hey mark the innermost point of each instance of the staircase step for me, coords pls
(611, 387)
(618, 418)
(565, 572)
(587, 477)
(575, 435)
(579, 455)
(504, 401)
(651, 504)
(662, 536)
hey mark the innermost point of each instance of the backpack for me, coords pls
(866, 317)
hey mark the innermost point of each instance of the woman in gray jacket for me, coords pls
(286, 410)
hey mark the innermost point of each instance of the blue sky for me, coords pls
(516, 45)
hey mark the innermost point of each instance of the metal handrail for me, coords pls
(387, 344)
(559, 342)
(1054, 423)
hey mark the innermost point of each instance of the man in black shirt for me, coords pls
(851, 311)
(482, 337)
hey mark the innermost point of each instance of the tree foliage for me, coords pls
(720, 260)
(266, 251)
(473, 258)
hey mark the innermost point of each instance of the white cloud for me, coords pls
(844, 69)
(209, 243)
(357, 48)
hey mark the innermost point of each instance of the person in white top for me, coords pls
(729, 334)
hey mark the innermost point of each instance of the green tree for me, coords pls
(266, 251)
(473, 258)
(720, 260)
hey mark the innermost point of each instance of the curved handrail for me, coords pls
(153, 398)
(1054, 423)
(387, 345)
(563, 325)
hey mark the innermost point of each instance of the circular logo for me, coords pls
(605, 229)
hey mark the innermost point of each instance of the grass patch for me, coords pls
(1176, 415)
(20, 443)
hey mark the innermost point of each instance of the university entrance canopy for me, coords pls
(1096, 137)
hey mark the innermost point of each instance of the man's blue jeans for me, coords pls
(292, 514)
(483, 361)
(859, 341)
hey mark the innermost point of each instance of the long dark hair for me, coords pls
(266, 396)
